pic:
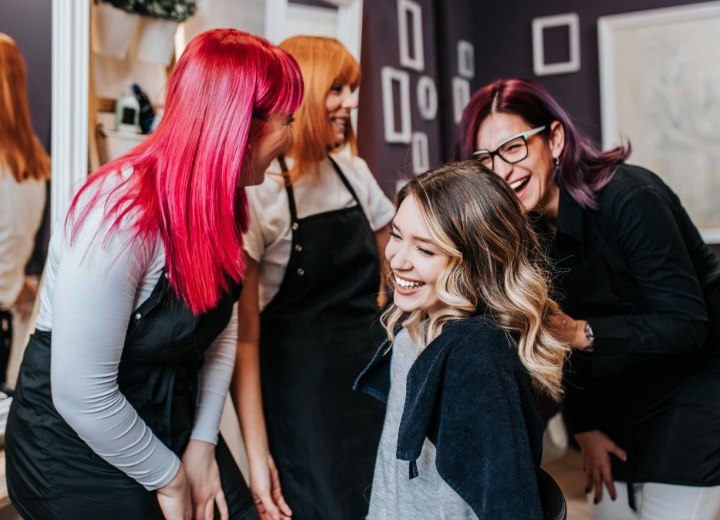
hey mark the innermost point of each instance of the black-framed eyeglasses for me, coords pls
(512, 150)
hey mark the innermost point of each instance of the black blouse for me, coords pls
(638, 271)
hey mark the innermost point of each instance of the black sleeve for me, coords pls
(675, 319)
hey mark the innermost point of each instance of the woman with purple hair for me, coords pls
(640, 291)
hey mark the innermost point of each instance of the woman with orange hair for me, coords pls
(24, 168)
(310, 298)
(119, 397)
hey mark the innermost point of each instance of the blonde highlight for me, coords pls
(496, 266)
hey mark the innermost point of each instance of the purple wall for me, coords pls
(501, 33)
(391, 162)
(503, 47)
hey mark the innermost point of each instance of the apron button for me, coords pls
(295, 226)
(300, 271)
(298, 247)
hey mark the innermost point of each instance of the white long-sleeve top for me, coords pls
(92, 286)
(21, 210)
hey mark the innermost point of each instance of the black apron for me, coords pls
(53, 474)
(316, 335)
(6, 339)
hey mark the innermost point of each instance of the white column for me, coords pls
(70, 65)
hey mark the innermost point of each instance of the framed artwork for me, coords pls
(660, 89)
(571, 23)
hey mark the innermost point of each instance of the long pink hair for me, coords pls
(188, 174)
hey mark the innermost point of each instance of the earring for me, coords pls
(556, 162)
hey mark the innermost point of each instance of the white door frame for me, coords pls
(349, 23)
(70, 65)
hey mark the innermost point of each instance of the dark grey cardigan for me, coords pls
(468, 393)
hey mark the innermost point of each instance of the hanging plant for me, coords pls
(176, 10)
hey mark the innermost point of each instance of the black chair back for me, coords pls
(551, 497)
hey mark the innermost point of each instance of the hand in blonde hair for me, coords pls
(569, 331)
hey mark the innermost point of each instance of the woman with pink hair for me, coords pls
(120, 393)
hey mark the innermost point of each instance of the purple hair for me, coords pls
(583, 168)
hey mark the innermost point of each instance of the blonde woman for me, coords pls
(309, 299)
(24, 168)
(469, 338)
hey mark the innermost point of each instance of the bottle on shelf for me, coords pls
(147, 113)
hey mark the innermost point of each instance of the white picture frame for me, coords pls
(466, 59)
(461, 97)
(420, 152)
(427, 98)
(412, 53)
(539, 25)
(660, 88)
(391, 76)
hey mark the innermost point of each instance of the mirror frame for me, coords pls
(69, 125)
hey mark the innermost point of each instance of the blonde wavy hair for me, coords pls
(495, 266)
(323, 62)
(20, 150)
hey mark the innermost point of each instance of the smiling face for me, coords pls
(415, 260)
(339, 102)
(275, 138)
(531, 178)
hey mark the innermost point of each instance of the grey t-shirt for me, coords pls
(394, 495)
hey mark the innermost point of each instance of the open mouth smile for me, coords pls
(520, 183)
(407, 284)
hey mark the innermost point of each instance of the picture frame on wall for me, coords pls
(570, 22)
(660, 89)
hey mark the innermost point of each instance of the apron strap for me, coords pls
(288, 189)
(344, 180)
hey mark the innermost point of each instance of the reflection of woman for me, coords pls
(313, 273)
(642, 295)
(122, 385)
(474, 309)
(24, 168)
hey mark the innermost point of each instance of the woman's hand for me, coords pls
(570, 331)
(265, 487)
(204, 480)
(25, 299)
(596, 448)
(174, 498)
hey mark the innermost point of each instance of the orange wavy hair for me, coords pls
(323, 62)
(20, 150)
